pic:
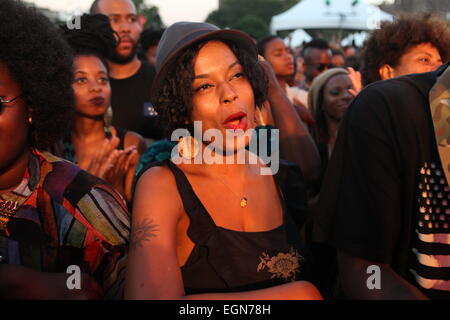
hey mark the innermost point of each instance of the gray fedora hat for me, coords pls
(180, 35)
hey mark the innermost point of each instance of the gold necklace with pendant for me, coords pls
(243, 199)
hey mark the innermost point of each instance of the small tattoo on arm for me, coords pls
(144, 231)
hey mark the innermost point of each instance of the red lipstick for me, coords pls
(236, 121)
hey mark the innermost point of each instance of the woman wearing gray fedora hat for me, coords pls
(217, 229)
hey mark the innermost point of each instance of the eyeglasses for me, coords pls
(3, 100)
(322, 67)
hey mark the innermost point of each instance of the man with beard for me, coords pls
(130, 77)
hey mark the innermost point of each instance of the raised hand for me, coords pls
(105, 158)
(273, 82)
(125, 160)
(355, 76)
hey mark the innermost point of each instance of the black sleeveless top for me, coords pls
(224, 260)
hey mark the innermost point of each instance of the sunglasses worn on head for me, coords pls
(3, 100)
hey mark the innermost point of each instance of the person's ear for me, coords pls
(386, 72)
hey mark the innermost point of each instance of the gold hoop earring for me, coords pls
(30, 120)
(188, 147)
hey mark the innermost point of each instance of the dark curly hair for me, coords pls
(150, 37)
(41, 62)
(174, 102)
(389, 43)
(95, 37)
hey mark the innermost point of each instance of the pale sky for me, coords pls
(170, 10)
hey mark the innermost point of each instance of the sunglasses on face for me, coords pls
(3, 100)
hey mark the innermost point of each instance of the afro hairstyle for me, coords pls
(41, 62)
(389, 43)
(95, 37)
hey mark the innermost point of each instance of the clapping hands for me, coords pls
(112, 164)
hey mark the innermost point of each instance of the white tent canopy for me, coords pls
(340, 14)
(296, 38)
(356, 38)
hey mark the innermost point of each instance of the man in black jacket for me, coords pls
(384, 204)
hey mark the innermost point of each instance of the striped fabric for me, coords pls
(66, 217)
(431, 267)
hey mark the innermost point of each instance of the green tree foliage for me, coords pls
(151, 14)
(253, 25)
(251, 16)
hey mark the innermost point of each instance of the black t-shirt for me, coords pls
(370, 204)
(130, 101)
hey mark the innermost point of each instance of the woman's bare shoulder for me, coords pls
(157, 177)
(157, 188)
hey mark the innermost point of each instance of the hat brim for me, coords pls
(240, 38)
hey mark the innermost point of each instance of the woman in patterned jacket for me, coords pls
(63, 232)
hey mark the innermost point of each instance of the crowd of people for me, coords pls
(94, 173)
